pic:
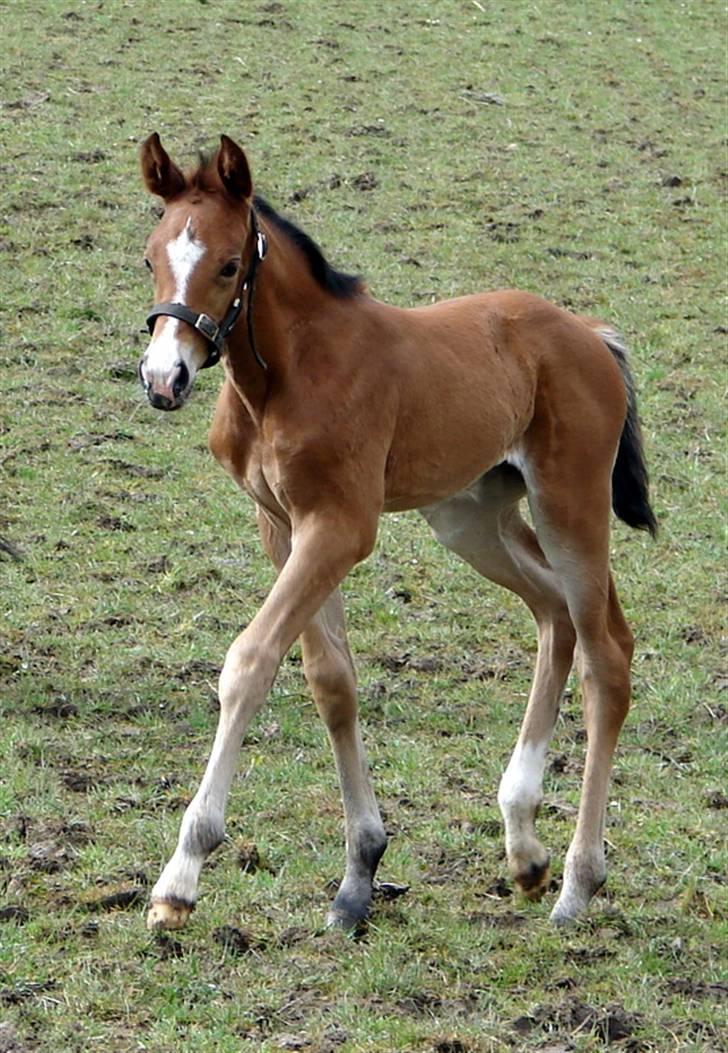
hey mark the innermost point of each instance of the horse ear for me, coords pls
(232, 167)
(161, 174)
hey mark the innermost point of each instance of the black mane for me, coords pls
(205, 178)
(335, 282)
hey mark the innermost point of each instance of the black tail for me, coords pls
(630, 481)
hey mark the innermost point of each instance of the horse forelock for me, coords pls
(204, 177)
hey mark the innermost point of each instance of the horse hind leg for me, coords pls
(571, 514)
(603, 659)
(485, 528)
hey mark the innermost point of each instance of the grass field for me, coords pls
(574, 150)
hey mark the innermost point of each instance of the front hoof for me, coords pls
(534, 881)
(168, 914)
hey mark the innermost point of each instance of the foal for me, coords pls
(336, 408)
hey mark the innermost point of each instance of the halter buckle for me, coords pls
(209, 328)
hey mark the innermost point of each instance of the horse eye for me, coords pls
(147, 264)
(230, 269)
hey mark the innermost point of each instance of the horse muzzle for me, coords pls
(167, 391)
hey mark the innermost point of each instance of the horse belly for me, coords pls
(444, 446)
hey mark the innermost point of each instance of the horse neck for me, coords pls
(286, 299)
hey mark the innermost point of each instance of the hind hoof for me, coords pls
(168, 914)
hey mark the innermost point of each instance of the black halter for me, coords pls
(216, 333)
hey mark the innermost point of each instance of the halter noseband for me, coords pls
(216, 333)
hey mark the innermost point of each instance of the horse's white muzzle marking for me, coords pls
(168, 369)
(169, 366)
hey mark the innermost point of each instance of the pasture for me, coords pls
(574, 150)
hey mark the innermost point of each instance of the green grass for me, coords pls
(597, 182)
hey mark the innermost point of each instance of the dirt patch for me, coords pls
(292, 935)
(106, 898)
(235, 941)
(509, 919)
(82, 442)
(19, 915)
(165, 948)
(611, 1024)
(23, 990)
(59, 709)
(78, 779)
(50, 856)
(697, 989)
(395, 663)
(716, 799)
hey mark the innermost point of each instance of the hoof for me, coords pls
(168, 914)
(534, 882)
(573, 902)
(562, 918)
(343, 921)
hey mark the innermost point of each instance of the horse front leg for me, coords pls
(324, 549)
(330, 673)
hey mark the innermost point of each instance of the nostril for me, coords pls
(181, 381)
(140, 373)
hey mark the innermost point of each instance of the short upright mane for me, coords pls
(336, 282)
(339, 284)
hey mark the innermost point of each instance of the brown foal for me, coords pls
(336, 408)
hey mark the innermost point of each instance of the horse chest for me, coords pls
(262, 480)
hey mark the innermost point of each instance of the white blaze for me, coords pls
(172, 341)
(184, 254)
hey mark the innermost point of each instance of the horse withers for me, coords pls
(336, 408)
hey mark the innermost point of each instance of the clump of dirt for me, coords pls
(248, 857)
(50, 856)
(79, 780)
(235, 941)
(23, 990)
(19, 915)
(499, 889)
(165, 948)
(394, 663)
(387, 891)
(107, 898)
(697, 988)
(292, 935)
(611, 1024)
(59, 708)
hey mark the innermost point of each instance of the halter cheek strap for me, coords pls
(216, 333)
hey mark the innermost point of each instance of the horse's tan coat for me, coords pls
(366, 408)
